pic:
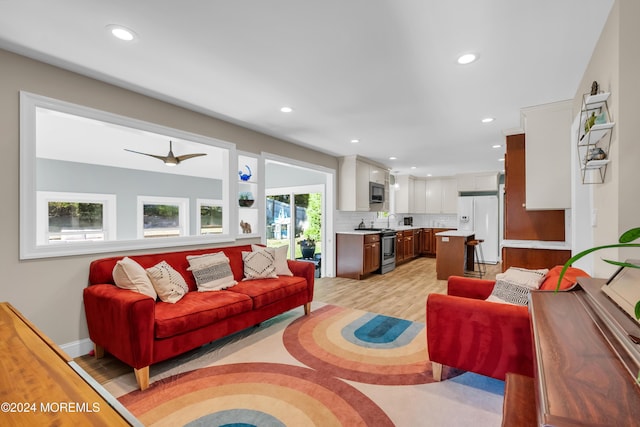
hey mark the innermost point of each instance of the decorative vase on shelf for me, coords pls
(245, 199)
(245, 176)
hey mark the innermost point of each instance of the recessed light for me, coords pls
(393, 158)
(488, 120)
(413, 167)
(467, 58)
(501, 160)
(286, 109)
(122, 33)
(355, 141)
(429, 174)
(496, 146)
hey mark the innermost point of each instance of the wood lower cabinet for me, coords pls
(417, 242)
(357, 254)
(533, 258)
(427, 242)
(408, 244)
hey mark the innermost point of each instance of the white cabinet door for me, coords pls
(434, 196)
(403, 194)
(419, 196)
(449, 195)
(362, 186)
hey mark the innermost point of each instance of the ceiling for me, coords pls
(380, 71)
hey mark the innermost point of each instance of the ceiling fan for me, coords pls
(170, 159)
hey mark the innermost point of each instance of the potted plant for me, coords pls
(245, 199)
(308, 247)
(624, 242)
(312, 233)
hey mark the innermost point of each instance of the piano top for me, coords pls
(585, 364)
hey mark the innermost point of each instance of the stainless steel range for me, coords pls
(388, 252)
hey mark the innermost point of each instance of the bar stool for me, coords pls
(478, 258)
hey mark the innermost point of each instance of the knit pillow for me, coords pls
(211, 271)
(514, 285)
(259, 264)
(280, 257)
(168, 283)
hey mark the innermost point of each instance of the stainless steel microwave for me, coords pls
(376, 192)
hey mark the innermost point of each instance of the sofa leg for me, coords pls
(142, 377)
(98, 351)
(307, 309)
(436, 368)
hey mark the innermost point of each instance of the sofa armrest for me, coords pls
(304, 269)
(469, 287)
(122, 322)
(479, 336)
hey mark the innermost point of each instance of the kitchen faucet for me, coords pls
(388, 218)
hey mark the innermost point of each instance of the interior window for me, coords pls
(71, 149)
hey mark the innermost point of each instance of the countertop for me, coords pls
(456, 233)
(537, 244)
(378, 231)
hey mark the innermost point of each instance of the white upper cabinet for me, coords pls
(442, 195)
(404, 190)
(548, 156)
(419, 196)
(355, 173)
(471, 182)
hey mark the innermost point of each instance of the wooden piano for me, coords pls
(587, 359)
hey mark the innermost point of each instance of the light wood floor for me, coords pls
(400, 293)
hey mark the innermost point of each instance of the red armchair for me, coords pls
(488, 338)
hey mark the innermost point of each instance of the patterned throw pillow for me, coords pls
(514, 285)
(259, 264)
(211, 271)
(280, 255)
(128, 274)
(168, 283)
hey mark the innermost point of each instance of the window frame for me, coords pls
(183, 213)
(108, 201)
(29, 244)
(210, 202)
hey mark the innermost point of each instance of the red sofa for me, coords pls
(141, 331)
(488, 338)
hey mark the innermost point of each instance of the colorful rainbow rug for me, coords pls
(336, 367)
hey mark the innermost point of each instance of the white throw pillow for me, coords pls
(168, 283)
(211, 271)
(259, 264)
(128, 274)
(514, 285)
(280, 256)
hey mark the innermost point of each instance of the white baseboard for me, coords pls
(77, 348)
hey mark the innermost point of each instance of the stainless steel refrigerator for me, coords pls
(481, 215)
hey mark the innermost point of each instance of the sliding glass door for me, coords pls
(294, 218)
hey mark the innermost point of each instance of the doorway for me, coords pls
(294, 218)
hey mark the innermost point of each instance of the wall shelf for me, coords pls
(594, 137)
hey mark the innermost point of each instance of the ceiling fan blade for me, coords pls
(189, 156)
(163, 158)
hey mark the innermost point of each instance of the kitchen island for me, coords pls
(453, 255)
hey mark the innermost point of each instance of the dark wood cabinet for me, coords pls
(399, 247)
(519, 223)
(533, 258)
(417, 242)
(408, 244)
(427, 241)
(357, 254)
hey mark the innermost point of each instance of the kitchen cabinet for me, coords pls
(548, 155)
(520, 223)
(417, 242)
(442, 195)
(427, 242)
(533, 258)
(419, 196)
(357, 254)
(404, 191)
(355, 173)
(474, 182)
(408, 244)
(399, 247)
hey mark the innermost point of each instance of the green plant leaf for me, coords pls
(637, 310)
(630, 235)
(621, 264)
